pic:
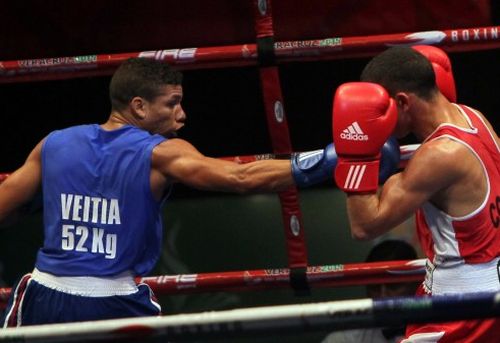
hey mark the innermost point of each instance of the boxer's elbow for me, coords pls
(359, 234)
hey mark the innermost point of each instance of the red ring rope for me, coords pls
(337, 275)
(329, 48)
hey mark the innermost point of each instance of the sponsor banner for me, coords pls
(181, 281)
(308, 47)
(480, 34)
(56, 61)
(178, 55)
(52, 65)
(325, 269)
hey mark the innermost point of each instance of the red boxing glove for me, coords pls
(442, 69)
(364, 116)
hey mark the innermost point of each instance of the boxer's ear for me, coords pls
(138, 107)
(402, 100)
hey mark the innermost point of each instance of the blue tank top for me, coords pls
(100, 216)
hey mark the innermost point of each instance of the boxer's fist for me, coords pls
(442, 69)
(313, 167)
(364, 117)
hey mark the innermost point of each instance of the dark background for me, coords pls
(224, 106)
(207, 232)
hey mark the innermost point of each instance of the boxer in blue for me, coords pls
(103, 191)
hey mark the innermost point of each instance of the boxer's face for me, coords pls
(164, 114)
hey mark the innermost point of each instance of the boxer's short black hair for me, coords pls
(140, 77)
(402, 69)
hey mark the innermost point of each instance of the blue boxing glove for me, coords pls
(390, 159)
(313, 167)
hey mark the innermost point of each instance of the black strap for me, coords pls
(298, 281)
(265, 50)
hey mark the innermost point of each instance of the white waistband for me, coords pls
(462, 278)
(88, 286)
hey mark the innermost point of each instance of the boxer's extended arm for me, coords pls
(20, 187)
(179, 161)
(433, 168)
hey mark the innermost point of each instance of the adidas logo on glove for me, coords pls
(353, 133)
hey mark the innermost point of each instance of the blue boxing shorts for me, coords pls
(43, 298)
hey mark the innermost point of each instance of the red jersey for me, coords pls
(463, 252)
(475, 237)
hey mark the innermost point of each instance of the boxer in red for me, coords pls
(452, 182)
